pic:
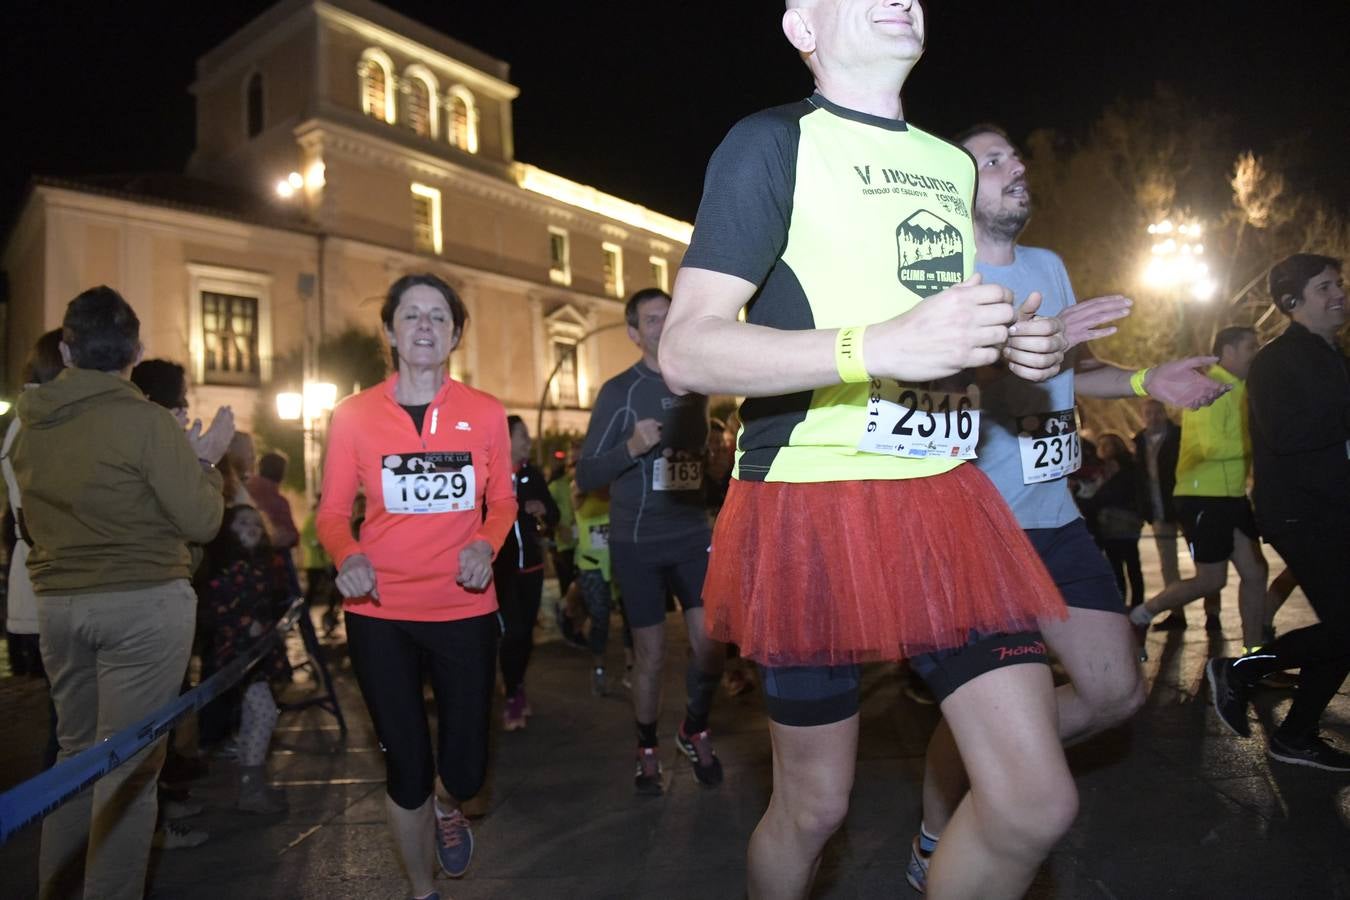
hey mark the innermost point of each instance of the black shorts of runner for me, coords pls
(1078, 567)
(806, 696)
(391, 658)
(645, 572)
(1209, 523)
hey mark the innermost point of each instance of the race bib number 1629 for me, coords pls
(428, 482)
(906, 420)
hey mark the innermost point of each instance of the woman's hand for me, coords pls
(357, 578)
(475, 566)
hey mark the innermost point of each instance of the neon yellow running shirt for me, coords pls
(842, 219)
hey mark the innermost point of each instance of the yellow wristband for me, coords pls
(1137, 382)
(848, 356)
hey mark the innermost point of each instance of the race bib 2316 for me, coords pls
(918, 422)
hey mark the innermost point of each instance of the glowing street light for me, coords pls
(1175, 260)
(308, 406)
(1175, 267)
(320, 397)
(290, 406)
(287, 186)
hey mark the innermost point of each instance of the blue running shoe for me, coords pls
(454, 842)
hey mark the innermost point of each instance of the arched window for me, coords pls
(463, 130)
(253, 105)
(421, 105)
(376, 72)
(418, 115)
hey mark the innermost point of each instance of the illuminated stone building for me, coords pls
(340, 145)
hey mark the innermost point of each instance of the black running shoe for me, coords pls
(1229, 693)
(1308, 751)
(647, 779)
(698, 747)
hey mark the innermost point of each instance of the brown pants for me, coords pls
(113, 658)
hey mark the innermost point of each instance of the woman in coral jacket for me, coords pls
(432, 458)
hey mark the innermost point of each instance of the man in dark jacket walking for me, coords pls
(1299, 390)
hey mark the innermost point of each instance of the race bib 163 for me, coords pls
(677, 475)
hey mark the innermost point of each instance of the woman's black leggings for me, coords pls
(518, 596)
(391, 657)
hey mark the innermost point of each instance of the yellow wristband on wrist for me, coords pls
(848, 357)
(1137, 382)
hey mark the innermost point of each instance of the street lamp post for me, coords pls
(1176, 268)
(310, 407)
(548, 382)
(317, 398)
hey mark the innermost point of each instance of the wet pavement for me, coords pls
(1171, 805)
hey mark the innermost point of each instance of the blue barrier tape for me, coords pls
(39, 795)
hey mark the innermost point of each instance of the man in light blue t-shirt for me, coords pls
(1028, 446)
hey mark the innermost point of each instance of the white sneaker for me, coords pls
(173, 836)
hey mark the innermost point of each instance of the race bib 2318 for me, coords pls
(1048, 444)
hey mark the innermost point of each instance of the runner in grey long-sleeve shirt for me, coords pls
(648, 446)
(658, 495)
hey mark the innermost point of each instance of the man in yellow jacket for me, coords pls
(1211, 495)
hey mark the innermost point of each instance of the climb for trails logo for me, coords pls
(931, 252)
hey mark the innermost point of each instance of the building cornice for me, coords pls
(169, 219)
(387, 39)
(554, 198)
(391, 144)
(593, 200)
(403, 261)
(377, 23)
(119, 210)
(180, 223)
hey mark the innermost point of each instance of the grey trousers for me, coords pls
(113, 658)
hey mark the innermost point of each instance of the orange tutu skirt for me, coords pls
(843, 572)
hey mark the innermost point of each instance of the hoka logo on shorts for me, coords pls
(931, 253)
(1035, 648)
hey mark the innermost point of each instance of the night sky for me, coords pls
(632, 97)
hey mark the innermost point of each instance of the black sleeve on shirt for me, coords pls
(742, 223)
(537, 489)
(604, 453)
(1288, 401)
